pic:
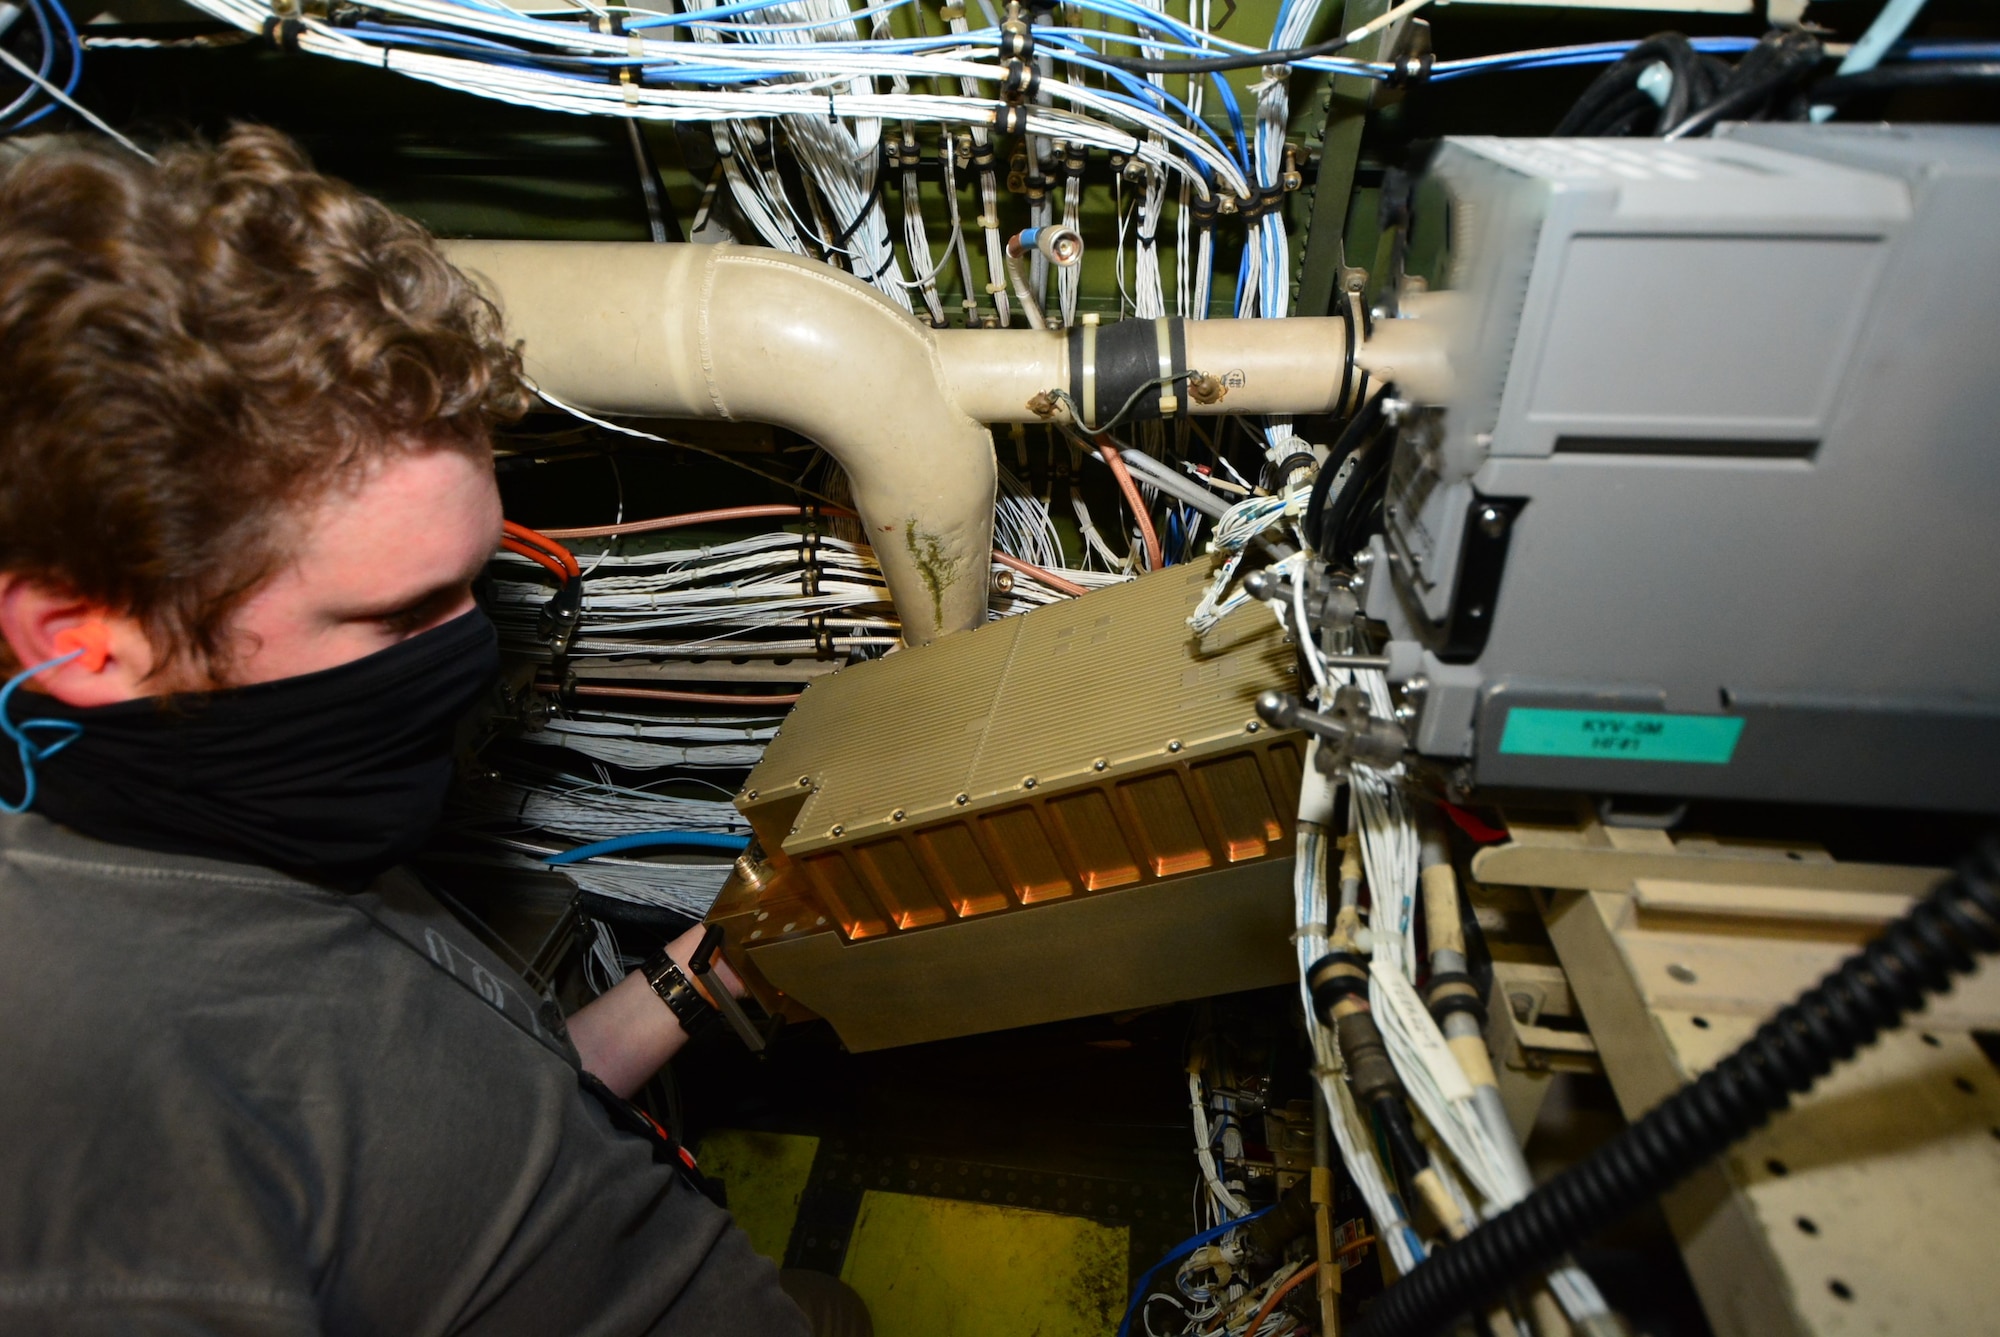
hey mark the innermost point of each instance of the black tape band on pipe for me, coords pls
(1127, 362)
(1076, 392)
(1177, 333)
(1128, 358)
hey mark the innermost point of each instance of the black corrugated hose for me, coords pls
(1871, 992)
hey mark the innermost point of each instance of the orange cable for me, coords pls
(1038, 575)
(1271, 1301)
(691, 518)
(690, 698)
(535, 554)
(765, 512)
(1155, 555)
(522, 534)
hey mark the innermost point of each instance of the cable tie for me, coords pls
(283, 33)
(867, 207)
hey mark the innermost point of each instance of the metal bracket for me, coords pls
(1868, 1205)
(702, 965)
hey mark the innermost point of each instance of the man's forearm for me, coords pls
(626, 1034)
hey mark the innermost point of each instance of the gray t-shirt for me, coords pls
(235, 1103)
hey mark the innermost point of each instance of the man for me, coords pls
(256, 1081)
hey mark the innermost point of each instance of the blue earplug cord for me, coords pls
(60, 733)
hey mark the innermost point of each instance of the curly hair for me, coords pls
(193, 351)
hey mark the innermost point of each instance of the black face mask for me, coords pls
(336, 775)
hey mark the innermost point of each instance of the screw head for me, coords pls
(1099, 764)
(962, 800)
(1253, 726)
(1028, 782)
(1173, 745)
(896, 816)
(805, 782)
(838, 829)
(751, 794)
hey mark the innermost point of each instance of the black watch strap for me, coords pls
(677, 991)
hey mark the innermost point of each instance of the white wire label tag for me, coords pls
(1423, 1033)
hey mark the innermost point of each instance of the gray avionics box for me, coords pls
(1700, 490)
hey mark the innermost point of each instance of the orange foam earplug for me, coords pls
(93, 638)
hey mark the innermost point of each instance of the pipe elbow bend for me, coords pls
(797, 344)
(747, 334)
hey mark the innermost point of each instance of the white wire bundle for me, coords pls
(1386, 830)
(757, 191)
(916, 238)
(1189, 300)
(808, 77)
(1233, 532)
(1023, 594)
(1069, 278)
(979, 141)
(1094, 546)
(1022, 526)
(604, 964)
(638, 747)
(818, 79)
(1225, 1202)
(688, 889)
(735, 730)
(839, 160)
(747, 584)
(1149, 298)
(1350, 1130)
(1380, 815)
(591, 810)
(685, 888)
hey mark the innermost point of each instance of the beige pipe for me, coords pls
(1265, 366)
(746, 334)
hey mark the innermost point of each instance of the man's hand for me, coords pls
(625, 1035)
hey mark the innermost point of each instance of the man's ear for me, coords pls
(41, 623)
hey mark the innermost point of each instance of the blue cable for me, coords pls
(805, 25)
(75, 59)
(33, 90)
(1078, 54)
(32, 753)
(644, 840)
(1946, 51)
(1181, 1250)
(1589, 53)
(719, 12)
(1604, 53)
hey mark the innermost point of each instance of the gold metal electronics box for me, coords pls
(1067, 812)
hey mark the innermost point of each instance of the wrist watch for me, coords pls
(677, 991)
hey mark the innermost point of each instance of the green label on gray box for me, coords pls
(1621, 735)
